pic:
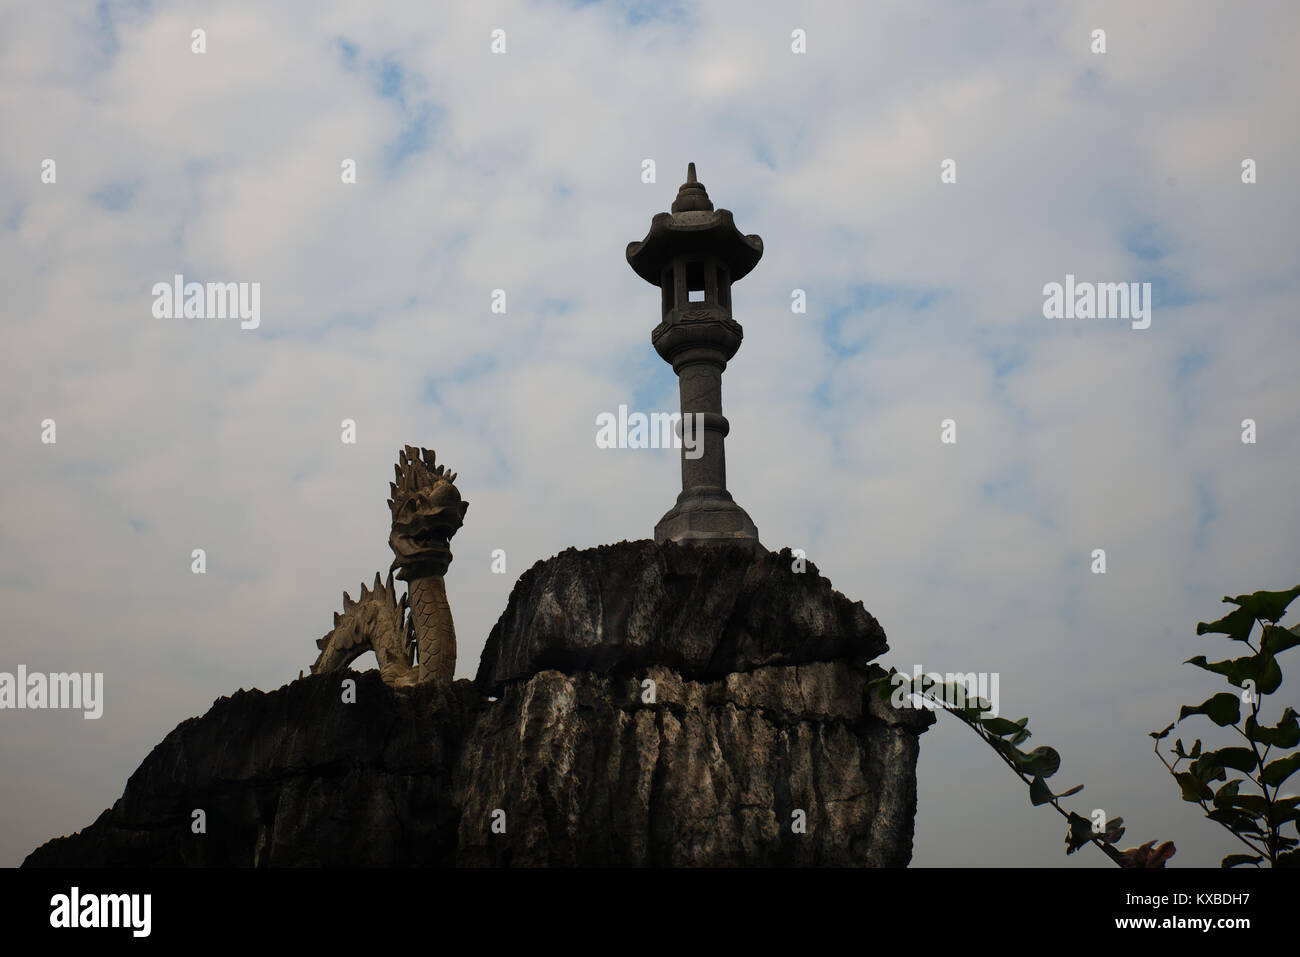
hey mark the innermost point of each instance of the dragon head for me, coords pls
(427, 512)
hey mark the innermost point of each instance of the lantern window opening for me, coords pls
(696, 281)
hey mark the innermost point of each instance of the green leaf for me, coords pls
(950, 695)
(1194, 789)
(1266, 605)
(1205, 768)
(1223, 709)
(1160, 735)
(1275, 772)
(1042, 761)
(1233, 860)
(1260, 668)
(1278, 639)
(1224, 796)
(1286, 809)
(1254, 803)
(1002, 727)
(882, 687)
(1236, 625)
(1224, 668)
(1285, 734)
(1005, 747)
(1040, 793)
(1241, 759)
(1080, 833)
(1235, 821)
(970, 709)
(1269, 676)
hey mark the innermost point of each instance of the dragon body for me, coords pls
(413, 637)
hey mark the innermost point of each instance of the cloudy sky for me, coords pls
(523, 171)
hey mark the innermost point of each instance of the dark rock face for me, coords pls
(710, 774)
(291, 777)
(668, 705)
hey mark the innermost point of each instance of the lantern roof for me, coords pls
(694, 229)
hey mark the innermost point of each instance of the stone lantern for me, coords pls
(693, 255)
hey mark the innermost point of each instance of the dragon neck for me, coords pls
(435, 633)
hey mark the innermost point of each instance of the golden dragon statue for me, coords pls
(413, 637)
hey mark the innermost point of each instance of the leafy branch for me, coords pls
(1255, 819)
(1033, 768)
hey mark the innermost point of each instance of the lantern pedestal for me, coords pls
(693, 255)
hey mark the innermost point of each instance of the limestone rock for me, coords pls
(290, 777)
(711, 774)
(758, 712)
(703, 611)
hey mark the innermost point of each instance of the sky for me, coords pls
(525, 171)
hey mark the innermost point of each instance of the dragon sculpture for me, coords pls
(413, 638)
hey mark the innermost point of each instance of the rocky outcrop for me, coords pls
(636, 704)
(291, 777)
(703, 611)
(788, 764)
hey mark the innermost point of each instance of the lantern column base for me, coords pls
(707, 513)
